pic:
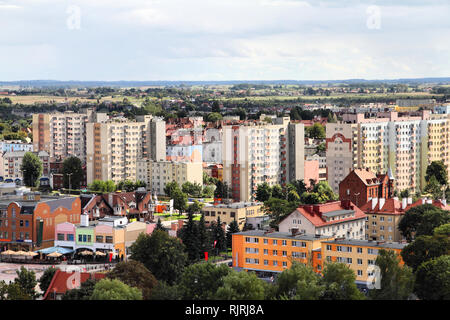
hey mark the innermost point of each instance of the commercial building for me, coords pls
(337, 219)
(63, 134)
(162, 172)
(28, 222)
(239, 211)
(113, 148)
(405, 145)
(255, 152)
(109, 234)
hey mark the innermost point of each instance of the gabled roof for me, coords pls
(367, 177)
(390, 206)
(59, 281)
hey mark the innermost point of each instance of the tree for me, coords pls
(397, 282)
(192, 189)
(170, 188)
(201, 281)
(443, 230)
(159, 225)
(195, 207)
(277, 209)
(422, 220)
(321, 193)
(438, 170)
(26, 280)
(425, 248)
(84, 292)
(233, 227)
(277, 192)
(299, 282)
(208, 191)
(218, 235)
(72, 169)
(204, 236)
(16, 292)
(107, 289)
(135, 274)
(433, 280)
(297, 185)
(339, 283)
(46, 278)
(163, 291)
(163, 255)
(213, 117)
(189, 236)
(179, 200)
(222, 190)
(241, 286)
(110, 186)
(316, 131)
(31, 169)
(434, 188)
(263, 192)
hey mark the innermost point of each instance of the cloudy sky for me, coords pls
(223, 39)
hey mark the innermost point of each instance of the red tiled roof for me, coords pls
(390, 206)
(435, 203)
(59, 281)
(316, 218)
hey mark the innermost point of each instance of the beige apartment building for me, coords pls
(63, 134)
(238, 211)
(114, 148)
(255, 152)
(11, 161)
(405, 146)
(162, 172)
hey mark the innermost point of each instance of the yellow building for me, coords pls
(238, 211)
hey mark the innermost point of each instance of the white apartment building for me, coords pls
(114, 148)
(11, 161)
(258, 152)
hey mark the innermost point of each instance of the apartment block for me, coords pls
(359, 255)
(239, 211)
(15, 145)
(162, 172)
(405, 145)
(11, 161)
(63, 134)
(259, 250)
(255, 152)
(114, 148)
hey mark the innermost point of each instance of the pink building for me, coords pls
(311, 171)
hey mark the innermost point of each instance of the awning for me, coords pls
(55, 249)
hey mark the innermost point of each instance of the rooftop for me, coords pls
(236, 205)
(282, 235)
(367, 243)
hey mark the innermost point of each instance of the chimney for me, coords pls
(429, 201)
(423, 200)
(404, 203)
(316, 209)
(309, 208)
(444, 202)
(382, 201)
(345, 204)
(84, 220)
(409, 200)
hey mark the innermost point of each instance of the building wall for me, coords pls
(226, 214)
(311, 172)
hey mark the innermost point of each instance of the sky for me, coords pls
(214, 40)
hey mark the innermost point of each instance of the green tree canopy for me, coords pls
(233, 227)
(433, 279)
(135, 274)
(113, 289)
(31, 169)
(439, 170)
(241, 286)
(299, 282)
(84, 292)
(339, 283)
(46, 278)
(26, 280)
(201, 281)
(316, 131)
(397, 282)
(72, 169)
(425, 248)
(163, 255)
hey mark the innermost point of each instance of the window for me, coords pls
(266, 251)
(80, 238)
(266, 262)
(98, 238)
(349, 260)
(339, 248)
(329, 247)
(360, 273)
(275, 263)
(266, 241)
(60, 236)
(70, 237)
(284, 264)
(21, 223)
(359, 250)
(349, 249)
(84, 238)
(109, 239)
(359, 261)
(283, 242)
(284, 253)
(27, 223)
(274, 242)
(274, 252)
(370, 262)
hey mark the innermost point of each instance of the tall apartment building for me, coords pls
(403, 146)
(114, 148)
(63, 134)
(258, 152)
(162, 172)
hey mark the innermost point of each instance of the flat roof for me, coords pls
(367, 243)
(281, 235)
